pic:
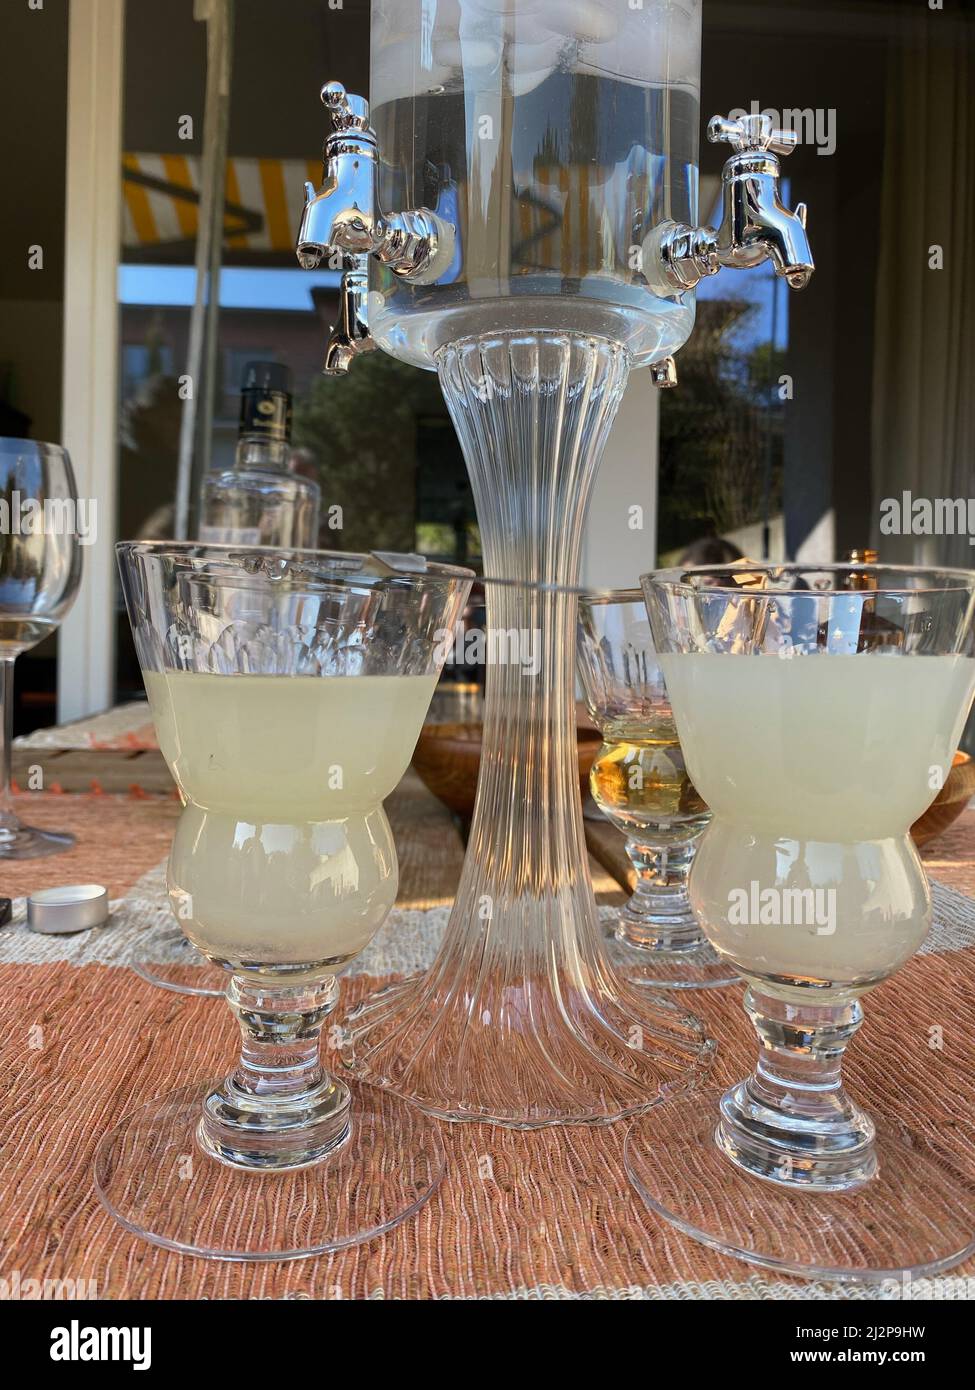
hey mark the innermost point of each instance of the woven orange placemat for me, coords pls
(519, 1214)
(544, 1214)
(118, 839)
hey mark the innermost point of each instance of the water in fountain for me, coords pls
(553, 137)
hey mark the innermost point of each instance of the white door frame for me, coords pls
(89, 395)
(620, 540)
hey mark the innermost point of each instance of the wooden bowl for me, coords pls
(951, 800)
(448, 758)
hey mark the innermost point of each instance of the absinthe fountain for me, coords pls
(519, 213)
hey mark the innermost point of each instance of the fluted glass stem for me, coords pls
(532, 413)
(520, 1019)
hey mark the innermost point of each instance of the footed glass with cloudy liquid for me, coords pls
(819, 711)
(288, 690)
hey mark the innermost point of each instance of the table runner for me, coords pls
(122, 728)
(519, 1216)
(142, 930)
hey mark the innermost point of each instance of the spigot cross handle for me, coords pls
(752, 135)
(348, 111)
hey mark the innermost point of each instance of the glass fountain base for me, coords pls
(915, 1217)
(521, 1020)
(524, 1051)
(156, 1180)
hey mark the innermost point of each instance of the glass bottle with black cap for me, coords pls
(262, 500)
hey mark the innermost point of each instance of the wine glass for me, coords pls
(639, 781)
(819, 709)
(41, 525)
(288, 690)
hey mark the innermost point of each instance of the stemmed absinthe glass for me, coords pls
(819, 709)
(639, 781)
(40, 570)
(288, 690)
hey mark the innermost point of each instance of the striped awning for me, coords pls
(264, 199)
(262, 210)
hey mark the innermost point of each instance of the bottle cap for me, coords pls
(267, 376)
(265, 401)
(75, 907)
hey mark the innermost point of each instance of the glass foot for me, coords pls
(27, 842)
(701, 968)
(168, 941)
(665, 948)
(154, 1178)
(213, 983)
(917, 1216)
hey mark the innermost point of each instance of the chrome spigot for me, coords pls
(350, 336)
(341, 216)
(755, 224)
(344, 218)
(663, 373)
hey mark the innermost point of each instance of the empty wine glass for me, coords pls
(640, 782)
(288, 690)
(819, 713)
(40, 570)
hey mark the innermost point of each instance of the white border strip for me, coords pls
(89, 401)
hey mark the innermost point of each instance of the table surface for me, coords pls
(549, 1215)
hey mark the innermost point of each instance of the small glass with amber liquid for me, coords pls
(639, 781)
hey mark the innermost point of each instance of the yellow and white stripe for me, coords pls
(270, 191)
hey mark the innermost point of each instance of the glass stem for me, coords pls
(532, 413)
(792, 1121)
(521, 1019)
(280, 1108)
(8, 817)
(658, 916)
